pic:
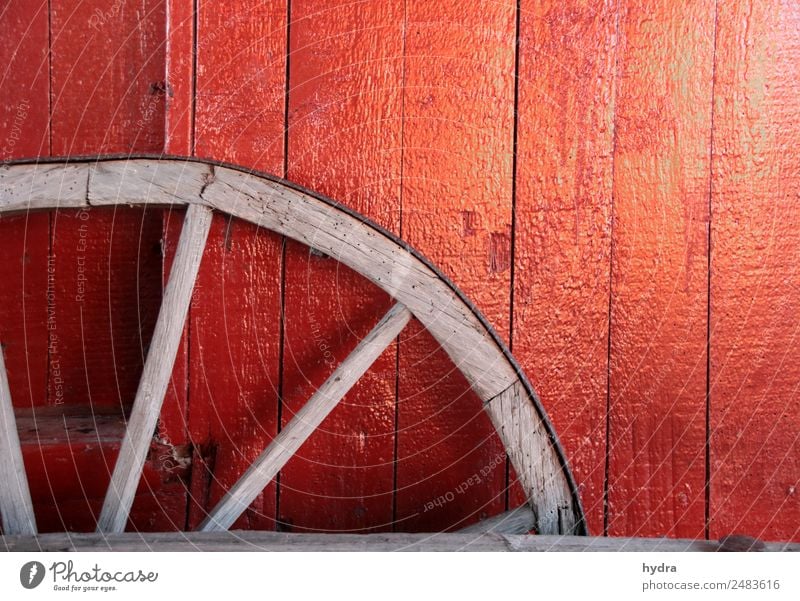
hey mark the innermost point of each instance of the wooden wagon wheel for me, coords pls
(417, 287)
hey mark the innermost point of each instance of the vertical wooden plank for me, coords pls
(179, 59)
(24, 123)
(563, 224)
(345, 108)
(660, 270)
(241, 72)
(457, 196)
(108, 97)
(108, 76)
(234, 356)
(179, 140)
(755, 301)
(24, 81)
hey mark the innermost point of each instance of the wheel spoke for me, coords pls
(516, 521)
(157, 370)
(316, 409)
(15, 497)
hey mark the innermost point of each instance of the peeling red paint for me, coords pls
(499, 252)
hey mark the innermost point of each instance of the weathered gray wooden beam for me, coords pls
(316, 409)
(15, 497)
(157, 371)
(45, 185)
(281, 541)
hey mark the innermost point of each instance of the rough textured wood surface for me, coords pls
(28, 188)
(530, 449)
(108, 88)
(25, 132)
(157, 371)
(241, 82)
(562, 234)
(274, 541)
(235, 324)
(306, 420)
(16, 508)
(755, 299)
(25, 80)
(107, 95)
(179, 70)
(656, 481)
(343, 118)
(456, 199)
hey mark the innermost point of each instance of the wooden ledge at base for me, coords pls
(280, 541)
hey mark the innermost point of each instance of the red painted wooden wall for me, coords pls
(614, 183)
